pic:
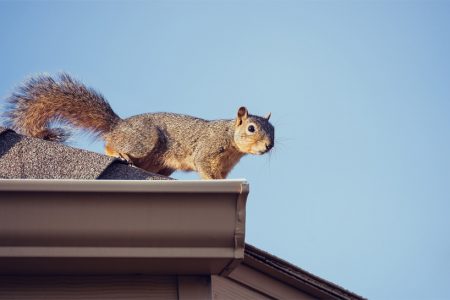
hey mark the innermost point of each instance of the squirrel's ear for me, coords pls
(242, 114)
(267, 117)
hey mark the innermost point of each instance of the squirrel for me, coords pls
(157, 142)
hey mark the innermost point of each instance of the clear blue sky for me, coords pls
(358, 188)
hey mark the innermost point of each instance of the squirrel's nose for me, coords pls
(269, 146)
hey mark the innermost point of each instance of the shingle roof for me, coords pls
(26, 157)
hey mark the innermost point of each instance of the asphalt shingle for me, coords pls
(26, 157)
(122, 171)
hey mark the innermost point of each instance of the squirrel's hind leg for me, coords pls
(135, 138)
(110, 152)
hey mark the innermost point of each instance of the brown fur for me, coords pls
(42, 100)
(157, 142)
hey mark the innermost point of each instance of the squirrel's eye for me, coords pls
(251, 128)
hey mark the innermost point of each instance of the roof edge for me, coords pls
(281, 266)
(133, 186)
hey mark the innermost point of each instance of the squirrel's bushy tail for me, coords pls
(42, 100)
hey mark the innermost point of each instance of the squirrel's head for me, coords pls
(253, 134)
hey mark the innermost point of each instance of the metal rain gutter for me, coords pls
(121, 227)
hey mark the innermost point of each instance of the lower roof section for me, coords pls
(117, 227)
(259, 266)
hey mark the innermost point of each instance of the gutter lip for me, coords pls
(116, 252)
(239, 186)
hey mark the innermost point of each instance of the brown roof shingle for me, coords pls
(32, 158)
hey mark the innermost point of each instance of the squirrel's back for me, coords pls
(175, 138)
(42, 100)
